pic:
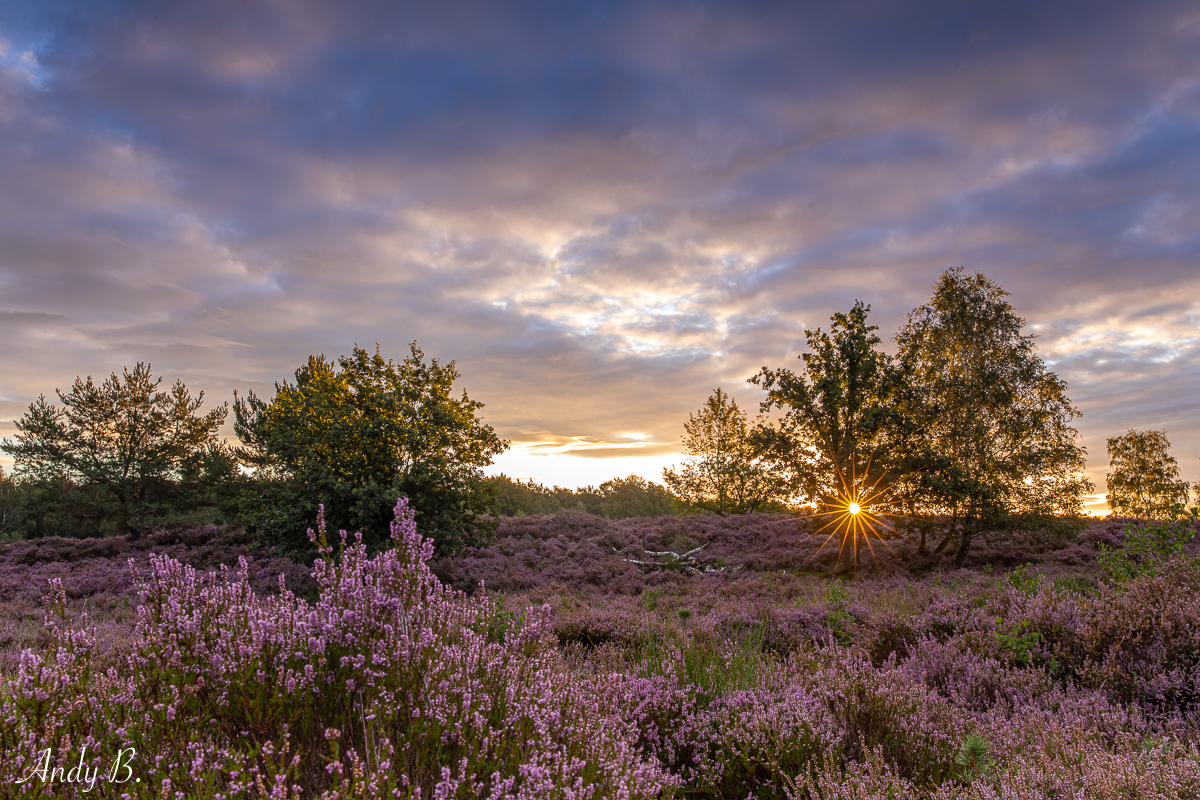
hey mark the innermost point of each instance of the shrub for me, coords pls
(1141, 643)
(389, 684)
(1148, 543)
(960, 685)
(360, 432)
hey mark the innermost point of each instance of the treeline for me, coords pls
(128, 456)
(619, 498)
(963, 421)
(119, 457)
(226, 496)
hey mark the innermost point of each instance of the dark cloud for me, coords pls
(602, 210)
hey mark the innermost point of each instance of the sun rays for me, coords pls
(857, 511)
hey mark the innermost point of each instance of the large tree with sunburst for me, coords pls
(966, 421)
(837, 435)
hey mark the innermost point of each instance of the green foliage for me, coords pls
(499, 625)
(1018, 640)
(974, 759)
(65, 508)
(1144, 481)
(1024, 581)
(837, 413)
(992, 423)
(117, 456)
(839, 620)
(509, 498)
(709, 667)
(1075, 584)
(11, 511)
(1047, 531)
(619, 498)
(724, 474)
(1148, 545)
(622, 498)
(357, 434)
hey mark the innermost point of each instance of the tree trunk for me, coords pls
(845, 557)
(968, 533)
(125, 506)
(949, 535)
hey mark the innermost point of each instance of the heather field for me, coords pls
(579, 657)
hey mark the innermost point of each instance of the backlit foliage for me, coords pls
(724, 473)
(991, 422)
(1144, 481)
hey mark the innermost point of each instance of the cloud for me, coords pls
(601, 211)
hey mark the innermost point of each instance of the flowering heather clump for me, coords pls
(389, 685)
(1030, 676)
(98, 575)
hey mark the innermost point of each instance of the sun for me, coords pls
(855, 514)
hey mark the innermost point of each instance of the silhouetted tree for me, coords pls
(982, 402)
(834, 442)
(724, 474)
(1144, 481)
(112, 446)
(836, 412)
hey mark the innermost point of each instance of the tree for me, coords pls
(509, 498)
(834, 441)
(724, 474)
(836, 412)
(1144, 481)
(357, 434)
(117, 441)
(981, 399)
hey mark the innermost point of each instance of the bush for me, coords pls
(960, 686)
(356, 434)
(619, 498)
(1147, 544)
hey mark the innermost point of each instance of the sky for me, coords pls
(601, 211)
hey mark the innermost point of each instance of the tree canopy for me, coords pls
(1144, 481)
(966, 420)
(116, 440)
(836, 411)
(358, 433)
(981, 399)
(724, 474)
